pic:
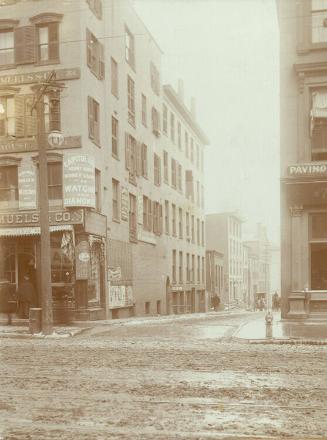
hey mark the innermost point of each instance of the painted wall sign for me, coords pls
(82, 259)
(114, 273)
(26, 187)
(308, 169)
(95, 223)
(23, 145)
(120, 296)
(79, 180)
(33, 77)
(32, 218)
(146, 236)
(124, 204)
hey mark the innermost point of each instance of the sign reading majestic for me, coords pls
(32, 218)
(307, 169)
(79, 180)
(34, 77)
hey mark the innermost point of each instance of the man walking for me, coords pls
(26, 297)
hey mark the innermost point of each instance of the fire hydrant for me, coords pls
(269, 324)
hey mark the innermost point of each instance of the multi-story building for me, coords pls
(224, 233)
(125, 187)
(215, 275)
(303, 115)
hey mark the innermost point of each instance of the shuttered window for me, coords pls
(25, 121)
(114, 77)
(115, 200)
(47, 36)
(173, 173)
(165, 161)
(157, 218)
(157, 170)
(144, 110)
(6, 47)
(7, 116)
(155, 121)
(96, 7)
(95, 55)
(52, 112)
(94, 120)
(25, 45)
(155, 79)
(55, 182)
(164, 119)
(131, 100)
(131, 157)
(8, 186)
(129, 48)
(144, 160)
(114, 137)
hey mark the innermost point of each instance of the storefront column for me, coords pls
(82, 273)
(297, 295)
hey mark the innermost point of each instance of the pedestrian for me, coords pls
(275, 301)
(215, 302)
(7, 300)
(26, 297)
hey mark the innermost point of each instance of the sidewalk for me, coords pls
(283, 332)
(20, 327)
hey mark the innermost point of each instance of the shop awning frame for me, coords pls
(31, 230)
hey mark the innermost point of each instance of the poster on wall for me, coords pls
(120, 296)
(79, 180)
(124, 204)
(27, 186)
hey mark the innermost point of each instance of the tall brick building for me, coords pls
(133, 243)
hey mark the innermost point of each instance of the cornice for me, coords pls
(311, 68)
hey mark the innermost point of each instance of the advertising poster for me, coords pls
(27, 186)
(79, 180)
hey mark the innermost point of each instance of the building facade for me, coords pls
(224, 233)
(215, 275)
(125, 187)
(303, 76)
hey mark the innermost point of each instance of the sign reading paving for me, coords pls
(79, 180)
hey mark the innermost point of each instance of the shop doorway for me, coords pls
(318, 266)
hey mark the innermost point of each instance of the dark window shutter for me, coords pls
(25, 51)
(53, 41)
(20, 115)
(88, 48)
(90, 117)
(139, 159)
(30, 118)
(127, 152)
(101, 62)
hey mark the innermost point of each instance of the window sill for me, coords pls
(47, 62)
(95, 142)
(8, 66)
(116, 220)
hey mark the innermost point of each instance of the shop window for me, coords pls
(318, 250)
(95, 55)
(55, 183)
(129, 48)
(8, 187)
(61, 258)
(94, 281)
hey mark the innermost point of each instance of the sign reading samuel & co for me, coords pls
(32, 218)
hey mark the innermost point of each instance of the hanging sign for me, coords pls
(79, 180)
(120, 296)
(82, 258)
(27, 186)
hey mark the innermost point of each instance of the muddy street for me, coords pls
(169, 380)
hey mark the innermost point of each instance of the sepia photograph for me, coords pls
(163, 219)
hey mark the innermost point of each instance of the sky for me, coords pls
(226, 52)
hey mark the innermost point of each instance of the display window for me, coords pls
(318, 251)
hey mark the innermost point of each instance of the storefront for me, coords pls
(305, 242)
(77, 293)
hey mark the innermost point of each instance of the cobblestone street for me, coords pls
(169, 380)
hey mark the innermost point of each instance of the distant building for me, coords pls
(224, 233)
(215, 275)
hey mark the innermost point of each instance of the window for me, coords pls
(147, 214)
(198, 232)
(189, 187)
(61, 263)
(186, 144)
(7, 116)
(8, 186)
(188, 237)
(114, 77)
(164, 119)
(51, 113)
(167, 217)
(179, 135)
(198, 270)
(192, 229)
(180, 267)
(202, 196)
(192, 151)
(130, 157)
(165, 161)
(158, 307)
(157, 170)
(132, 218)
(157, 218)
(174, 266)
(173, 174)
(55, 182)
(172, 127)
(179, 178)
(131, 100)
(155, 79)
(203, 270)
(144, 160)
(180, 223)
(198, 201)
(155, 122)
(97, 190)
(202, 233)
(202, 161)
(6, 47)
(173, 209)
(193, 269)
(94, 120)
(144, 116)
(318, 21)
(188, 274)
(129, 48)
(114, 137)
(95, 55)
(47, 42)
(147, 307)
(115, 200)
(96, 7)
(197, 161)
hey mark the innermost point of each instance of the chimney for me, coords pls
(193, 113)
(180, 89)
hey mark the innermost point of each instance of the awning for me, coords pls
(31, 230)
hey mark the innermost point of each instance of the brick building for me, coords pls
(130, 240)
(303, 77)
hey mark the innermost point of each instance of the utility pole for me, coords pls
(42, 142)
